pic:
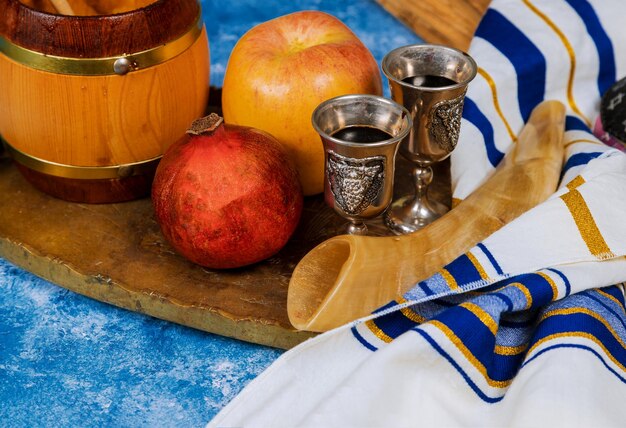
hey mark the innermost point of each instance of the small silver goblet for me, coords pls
(430, 81)
(361, 135)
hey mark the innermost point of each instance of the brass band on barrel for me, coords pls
(100, 66)
(83, 172)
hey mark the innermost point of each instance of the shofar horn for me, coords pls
(347, 277)
(63, 7)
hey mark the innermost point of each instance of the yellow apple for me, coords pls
(282, 69)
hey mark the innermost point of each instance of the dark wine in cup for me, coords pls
(429, 81)
(361, 134)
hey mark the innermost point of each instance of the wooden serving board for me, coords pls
(116, 254)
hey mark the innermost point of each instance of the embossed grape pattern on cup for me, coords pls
(430, 81)
(361, 135)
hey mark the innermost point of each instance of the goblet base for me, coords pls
(409, 214)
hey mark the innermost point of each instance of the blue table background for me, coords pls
(66, 360)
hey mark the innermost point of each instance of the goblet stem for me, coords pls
(357, 228)
(422, 208)
(422, 176)
(413, 212)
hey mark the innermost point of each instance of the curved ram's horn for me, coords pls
(347, 277)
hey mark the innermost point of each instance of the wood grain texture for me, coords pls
(447, 22)
(110, 34)
(103, 120)
(115, 253)
(347, 277)
(89, 7)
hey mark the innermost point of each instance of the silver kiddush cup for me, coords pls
(361, 135)
(430, 81)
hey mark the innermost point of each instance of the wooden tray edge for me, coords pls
(108, 291)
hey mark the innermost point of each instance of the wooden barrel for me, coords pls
(89, 103)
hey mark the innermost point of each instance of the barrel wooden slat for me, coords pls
(110, 120)
(96, 36)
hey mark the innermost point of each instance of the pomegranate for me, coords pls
(226, 196)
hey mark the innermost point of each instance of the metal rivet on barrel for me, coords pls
(122, 66)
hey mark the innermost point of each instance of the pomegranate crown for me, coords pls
(206, 124)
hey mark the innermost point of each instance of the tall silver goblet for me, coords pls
(361, 135)
(430, 81)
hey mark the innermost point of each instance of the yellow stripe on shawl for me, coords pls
(586, 224)
(576, 182)
(586, 311)
(449, 279)
(410, 313)
(378, 332)
(510, 350)
(482, 315)
(496, 103)
(572, 58)
(521, 287)
(608, 296)
(477, 265)
(579, 334)
(583, 140)
(555, 289)
(469, 356)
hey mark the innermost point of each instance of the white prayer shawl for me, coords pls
(529, 327)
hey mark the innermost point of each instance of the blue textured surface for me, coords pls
(66, 360)
(227, 21)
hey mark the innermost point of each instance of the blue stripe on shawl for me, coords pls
(463, 270)
(491, 258)
(394, 324)
(458, 368)
(389, 305)
(580, 322)
(571, 345)
(504, 367)
(478, 339)
(474, 334)
(425, 288)
(505, 299)
(362, 340)
(615, 291)
(606, 54)
(579, 159)
(527, 59)
(573, 123)
(444, 303)
(568, 286)
(472, 113)
(598, 300)
(540, 290)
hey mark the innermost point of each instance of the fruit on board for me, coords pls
(281, 70)
(226, 196)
